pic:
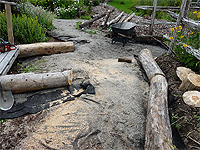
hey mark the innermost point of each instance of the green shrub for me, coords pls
(45, 18)
(25, 29)
(75, 10)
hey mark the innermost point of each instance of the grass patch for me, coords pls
(122, 5)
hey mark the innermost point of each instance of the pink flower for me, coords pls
(38, 12)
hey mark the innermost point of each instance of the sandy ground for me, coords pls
(113, 118)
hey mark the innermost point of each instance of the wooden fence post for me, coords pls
(9, 23)
(182, 9)
(153, 17)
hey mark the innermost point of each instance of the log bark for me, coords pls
(45, 48)
(192, 98)
(190, 83)
(106, 18)
(26, 82)
(88, 23)
(121, 59)
(130, 17)
(158, 129)
(115, 19)
(122, 19)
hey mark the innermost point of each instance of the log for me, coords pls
(130, 17)
(192, 98)
(158, 129)
(122, 19)
(121, 59)
(106, 18)
(88, 23)
(115, 19)
(26, 82)
(183, 72)
(190, 83)
(45, 48)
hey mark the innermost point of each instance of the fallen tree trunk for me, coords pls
(26, 82)
(45, 48)
(158, 129)
(88, 23)
(115, 20)
(130, 17)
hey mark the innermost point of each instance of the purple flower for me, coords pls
(45, 14)
(38, 12)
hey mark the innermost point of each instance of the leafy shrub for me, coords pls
(91, 2)
(188, 37)
(45, 18)
(75, 10)
(25, 29)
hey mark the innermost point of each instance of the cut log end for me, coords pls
(190, 83)
(70, 77)
(192, 98)
(182, 72)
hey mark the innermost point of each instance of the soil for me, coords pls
(20, 128)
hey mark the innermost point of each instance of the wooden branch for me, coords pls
(148, 23)
(88, 23)
(106, 18)
(123, 18)
(45, 48)
(153, 14)
(121, 59)
(115, 20)
(188, 22)
(162, 8)
(183, 72)
(190, 83)
(158, 129)
(130, 17)
(10, 3)
(26, 82)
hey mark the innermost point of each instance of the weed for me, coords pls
(29, 68)
(77, 25)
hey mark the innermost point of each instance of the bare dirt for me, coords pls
(90, 59)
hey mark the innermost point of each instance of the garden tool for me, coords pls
(6, 46)
(6, 99)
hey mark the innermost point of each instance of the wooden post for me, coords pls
(153, 17)
(187, 7)
(183, 5)
(9, 23)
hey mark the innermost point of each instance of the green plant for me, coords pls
(45, 18)
(198, 124)
(25, 29)
(185, 39)
(28, 68)
(174, 121)
(77, 24)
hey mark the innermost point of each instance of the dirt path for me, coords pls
(113, 118)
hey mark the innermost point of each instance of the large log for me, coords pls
(158, 129)
(106, 18)
(26, 82)
(45, 48)
(88, 23)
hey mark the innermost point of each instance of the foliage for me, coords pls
(77, 24)
(91, 2)
(184, 38)
(44, 17)
(25, 29)
(75, 10)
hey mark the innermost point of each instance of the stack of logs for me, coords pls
(106, 23)
(190, 85)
